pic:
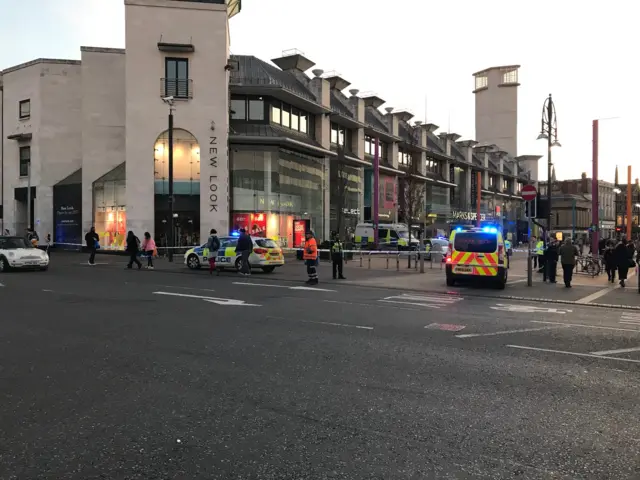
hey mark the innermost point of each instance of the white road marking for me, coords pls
(614, 352)
(529, 309)
(516, 281)
(368, 305)
(507, 332)
(589, 355)
(428, 301)
(346, 325)
(588, 326)
(603, 292)
(284, 286)
(97, 263)
(412, 303)
(219, 301)
(1, 285)
(630, 318)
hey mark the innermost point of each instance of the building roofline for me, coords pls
(502, 67)
(54, 61)
(102, 50)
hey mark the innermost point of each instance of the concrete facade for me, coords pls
(52, 131)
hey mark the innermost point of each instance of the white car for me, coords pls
(16, 252)
(266, 255)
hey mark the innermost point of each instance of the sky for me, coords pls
(417, 55)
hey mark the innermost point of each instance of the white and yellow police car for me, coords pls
(267, 255)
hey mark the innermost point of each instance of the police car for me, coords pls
(16, 252)
(267, 255)
(477, 253)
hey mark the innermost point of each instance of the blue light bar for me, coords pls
(235, 234)
(458, 229)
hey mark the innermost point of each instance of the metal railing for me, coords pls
(180, 88)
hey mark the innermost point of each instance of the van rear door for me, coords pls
(475, 253)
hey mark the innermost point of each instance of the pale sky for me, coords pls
(409, 50)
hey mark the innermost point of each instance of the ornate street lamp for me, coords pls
(549, 132)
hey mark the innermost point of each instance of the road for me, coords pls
(107, 373)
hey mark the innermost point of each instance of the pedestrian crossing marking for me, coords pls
(427, 301)
(630, 318)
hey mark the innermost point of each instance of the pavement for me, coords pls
(112, 373)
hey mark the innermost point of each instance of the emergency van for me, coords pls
(477, 253)
(390, 236)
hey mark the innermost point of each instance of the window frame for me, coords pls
(244, 109)
(248, 101)
(20, 161)
(175, 92)
(20, 104)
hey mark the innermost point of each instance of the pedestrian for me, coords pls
(610, 262)
(540, 255)
(48, 244)
(244, 247)
(337, 256)
(213, 245)
(310, 257)
(149, 249)
(568, 253)
(534, 243)
(133, 247)
(551, 261)
(624, 260)
(93, 244)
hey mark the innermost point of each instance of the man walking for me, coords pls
(213, 245)
(337, 257)
(310, 257)
(93, 242)
(568, 253)
(244, 248)
(551, 261)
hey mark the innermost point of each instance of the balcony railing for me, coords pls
(236, 80)
(180, 88)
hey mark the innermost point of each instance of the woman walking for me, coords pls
(149, 249)
(133, 247)
(623, 261)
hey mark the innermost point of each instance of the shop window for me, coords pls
(186, 163)
(110, 213)
(238, 109)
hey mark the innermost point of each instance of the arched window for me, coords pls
(186, 163)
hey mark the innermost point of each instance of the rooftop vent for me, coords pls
(354, 92)
(317, 72)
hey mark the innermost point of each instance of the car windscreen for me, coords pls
(11, 243)
(475, 242)
(266, 243)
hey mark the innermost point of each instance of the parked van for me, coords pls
(390, 236)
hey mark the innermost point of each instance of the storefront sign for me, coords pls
(467, 215)
(299, 229)
(351, 211)
(213, 176)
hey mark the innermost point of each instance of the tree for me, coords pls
(412, 188)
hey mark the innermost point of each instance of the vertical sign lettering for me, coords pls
(213, 178)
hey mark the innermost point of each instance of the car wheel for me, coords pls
(450, 282)
(268, 269)
(193, 262)
(4, 265)
(502, 283)
(238, 264)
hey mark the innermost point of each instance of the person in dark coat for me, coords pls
(623, 260)
(551, 261)
(93, 243)
(133, 247)
(610, 262)
(244, 247)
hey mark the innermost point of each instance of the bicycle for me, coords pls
(589, 265)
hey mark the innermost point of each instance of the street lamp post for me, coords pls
(170, 239)
(549, 132)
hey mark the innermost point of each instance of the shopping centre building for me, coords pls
(257, 144)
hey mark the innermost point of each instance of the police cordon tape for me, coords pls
(284, 249)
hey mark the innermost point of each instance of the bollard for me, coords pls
(387, 261)
(398, 262)
(431, 260)
(415, 261)
(361, 258)
(369, 261)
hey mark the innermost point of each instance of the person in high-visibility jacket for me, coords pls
(310, 256)
(540, 254)
(337, 256)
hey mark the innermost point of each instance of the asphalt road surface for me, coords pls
(114, 374)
